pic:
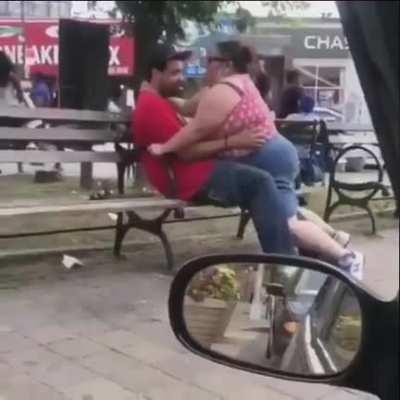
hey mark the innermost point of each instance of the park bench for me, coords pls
(344, 142)
(80, 131)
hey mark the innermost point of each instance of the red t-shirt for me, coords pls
(156, 121)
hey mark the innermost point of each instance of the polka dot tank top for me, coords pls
(251, 112)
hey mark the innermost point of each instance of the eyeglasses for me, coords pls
(216, 59)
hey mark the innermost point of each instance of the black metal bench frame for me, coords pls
(341, 189)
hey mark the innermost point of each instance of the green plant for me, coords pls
(220, 283)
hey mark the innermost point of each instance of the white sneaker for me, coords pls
(353, 263)
(342, 237)
(357, 266)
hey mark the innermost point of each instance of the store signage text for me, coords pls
(326, 42)
(35, 45)
(47, 54)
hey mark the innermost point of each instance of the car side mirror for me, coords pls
(288, 317)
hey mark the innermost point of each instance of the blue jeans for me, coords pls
(233, 184)
(279, 158)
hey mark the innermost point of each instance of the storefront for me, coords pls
(319, 50)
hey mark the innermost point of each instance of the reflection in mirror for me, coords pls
(279, 317)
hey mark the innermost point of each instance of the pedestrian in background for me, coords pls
(291, 96)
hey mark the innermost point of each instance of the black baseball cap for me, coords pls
(162, 53)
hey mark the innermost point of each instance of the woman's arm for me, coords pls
(250, 140)
(214, 108)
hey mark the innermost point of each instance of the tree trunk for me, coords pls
(144, 42)
(86, 178)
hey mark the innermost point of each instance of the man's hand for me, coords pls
(156, 150)
(252, 140)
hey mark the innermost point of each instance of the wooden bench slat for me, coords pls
(349, 127)
(38, 156)
(65, 115)
(60, 135)
(95, 205)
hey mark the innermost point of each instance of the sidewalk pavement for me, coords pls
(102, 333)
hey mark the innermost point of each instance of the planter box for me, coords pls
(207, 321)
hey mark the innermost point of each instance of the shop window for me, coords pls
(324, 84)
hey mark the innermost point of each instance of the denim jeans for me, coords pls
(279, 158)
(233, 184)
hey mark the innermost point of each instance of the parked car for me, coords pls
(301, 288)
(328, 114)
(331, 323)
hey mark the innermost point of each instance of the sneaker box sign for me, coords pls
(38, 40)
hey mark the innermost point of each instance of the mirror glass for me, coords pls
(278, 317)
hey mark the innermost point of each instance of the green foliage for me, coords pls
(153, 20)
(281, 8)
(243, 19)
(165, 17)
(220, 284)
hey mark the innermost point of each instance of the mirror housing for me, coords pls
(371, 308)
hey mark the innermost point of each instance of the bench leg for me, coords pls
(120, 233)
(243, 221)
(121, 167)
(372, 218)
(168, 250)
(153, 226)
(329, 211)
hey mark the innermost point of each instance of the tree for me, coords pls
(245, 20)
(155, 20)
(281, 8)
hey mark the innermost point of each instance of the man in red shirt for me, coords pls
(198, 175)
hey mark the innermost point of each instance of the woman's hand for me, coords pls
(156, 149)
(253, 140)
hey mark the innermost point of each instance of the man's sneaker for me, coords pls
(342, 237)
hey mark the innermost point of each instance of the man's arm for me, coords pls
(187, 107)
(202, 150)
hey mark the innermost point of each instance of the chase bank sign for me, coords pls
(322, 43)
(325, 42)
